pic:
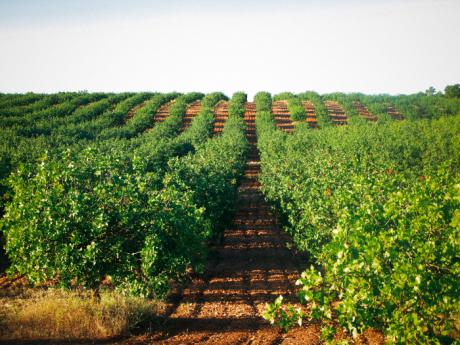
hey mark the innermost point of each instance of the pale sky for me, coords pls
(369, 46)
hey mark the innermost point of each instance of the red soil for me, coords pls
(310, 110)
(192, 111)
(282, 116)
(162, 112)
(220, 117)
(394, 113)
(336, 113)
(135, 109)
(250, 268)
(364, 112)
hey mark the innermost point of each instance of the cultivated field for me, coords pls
(170, 218)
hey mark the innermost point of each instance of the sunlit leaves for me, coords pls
(377, 208)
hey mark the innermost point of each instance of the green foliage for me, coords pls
(212, 172)
(430, 91)
(113, 210)
(322, 116)
(22, 105)
(26, 122)
(236, 107)
(296, 109)
(162, 142)
(94, 194)
(295, 106)
(18, 100)
(283, 96)
(90, 216)
(263, 101)
(412, 296)
(143, 119)
(106, 122)
(285, 316)
(419, 106)
(376, 207)
(202, 125)
(61, 131)
(346, 102)
(452, 91)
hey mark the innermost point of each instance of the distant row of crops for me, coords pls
(93, 190)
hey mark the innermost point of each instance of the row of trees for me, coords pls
(412, 107)
(137, 211)
(377, 209)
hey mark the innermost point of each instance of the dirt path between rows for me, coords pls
(251, 267)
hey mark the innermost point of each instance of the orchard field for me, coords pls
(185, 217)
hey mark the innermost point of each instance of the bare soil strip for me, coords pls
(396, 115)
(135, 109)
(192, 111)
(251, 267)
(282, 116)
(336, 113)
(364, 112)
(220, 117)
(163, 112)
(311, 116)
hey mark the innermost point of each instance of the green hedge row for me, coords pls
(100, 214)
(377, 209)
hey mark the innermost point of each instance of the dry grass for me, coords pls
(57, 314)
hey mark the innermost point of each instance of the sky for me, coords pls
(370, 46)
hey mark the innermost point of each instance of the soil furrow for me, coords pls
(395, 114)
(220, 117)
(163, 112)
(282, 116)
(252, 266)
(310, 111)
(364, 112)
(336, 113)
(192, 111)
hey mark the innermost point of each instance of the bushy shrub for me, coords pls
(90, 216)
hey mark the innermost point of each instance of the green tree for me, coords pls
(452, 91)
(430, 91)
